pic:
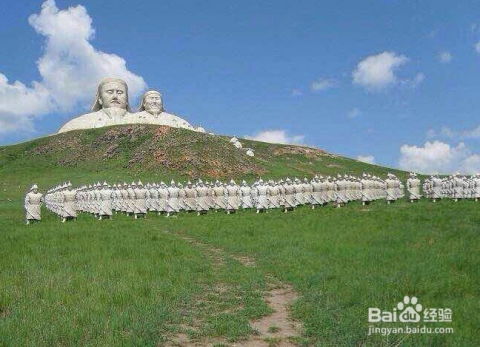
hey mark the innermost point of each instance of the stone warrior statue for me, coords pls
(140, 200)
(390, 188)
(260, 193)
(232, 197)
(218, 196)
(105, 195)
(68, 200)
(413, 187)
(190, 199)
(201, 198)
(290, 201)
(33, 202)
(246, 195)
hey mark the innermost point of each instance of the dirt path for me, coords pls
(276, 329)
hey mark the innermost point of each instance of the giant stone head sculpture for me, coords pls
(152, 103)
(111, 92)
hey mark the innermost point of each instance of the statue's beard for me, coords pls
(154, 109)
(114, 112)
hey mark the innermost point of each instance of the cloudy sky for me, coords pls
(390, 82)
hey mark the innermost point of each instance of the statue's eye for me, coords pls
(120, 92)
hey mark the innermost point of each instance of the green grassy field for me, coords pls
(115, 283)
(136, 282)
(139, 282)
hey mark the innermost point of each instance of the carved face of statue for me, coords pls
(113, 94)
(153, 103)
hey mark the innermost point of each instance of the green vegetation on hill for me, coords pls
(139, 282)
(151, 153)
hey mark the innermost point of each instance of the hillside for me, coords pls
(159, 152)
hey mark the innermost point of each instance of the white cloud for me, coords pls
(419, 78)
(370, 159)
(296, 92)
(377, 72)
(439, 157)
(450, 133)
(70, 69)
(471, 133)
(34, 98)
(322, 84)
(413, 82)
(447, 132)
(431, 133)
(471, 164)
(445, 57)
(477, 47)
(354, 113)
(277, 136)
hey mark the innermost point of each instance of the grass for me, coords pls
(343, 261)
(136, 282)
(116, 283)
(272, 341)
(273, 329)
(127, 282)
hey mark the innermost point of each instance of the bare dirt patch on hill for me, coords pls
(307, 151)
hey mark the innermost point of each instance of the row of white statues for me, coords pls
(136, 199)
(103, 200)
(111, 107)
(454, 186)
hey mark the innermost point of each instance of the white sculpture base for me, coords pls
(115, 116)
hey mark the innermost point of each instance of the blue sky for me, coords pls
(392, 81)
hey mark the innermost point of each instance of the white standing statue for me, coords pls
(390, 188)
(261, 199)
(202, 198)
(105, 202)
(246, 195)
(232, 197)
(476, 186)
(33, 202)
(140, 204)
(190, 199)
(289, 196)
(68, 199)
(218, 196)
(316, 194)
(413, 187)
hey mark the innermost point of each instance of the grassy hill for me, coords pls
(158, 152)
(141, 282)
